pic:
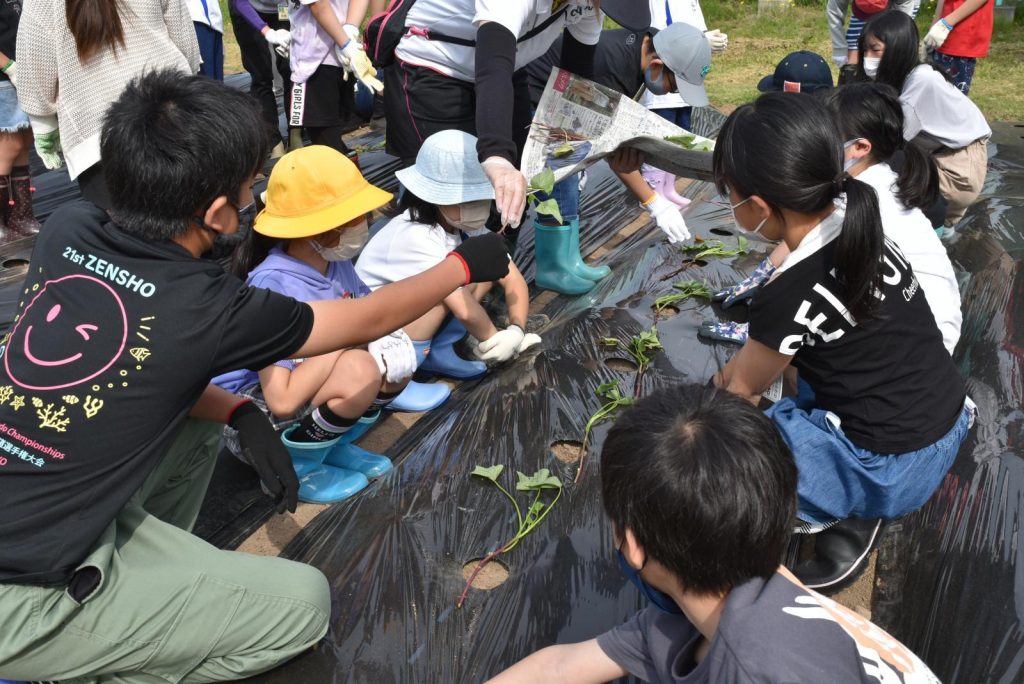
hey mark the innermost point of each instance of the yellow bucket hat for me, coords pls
(314, 189)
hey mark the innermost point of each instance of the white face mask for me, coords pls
(472, 216)
(349, 244)
(871, 66)
(756, 233)
(849, 163)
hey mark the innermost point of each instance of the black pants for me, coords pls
(419, 102)
(256, 60)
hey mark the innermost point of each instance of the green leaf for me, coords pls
(491, 473)
(563, 150)
(542, 479)
(704, 146)
(533, 513)
(741, 241)
(549, 207)
(543, 181)
(609, 342)
(685, 140)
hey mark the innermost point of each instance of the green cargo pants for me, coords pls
(166, 606)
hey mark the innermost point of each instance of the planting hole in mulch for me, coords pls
(699, 262)
(620, 365)
(492, 575)
(566, 450)
(15, 263)
(667, 311)
(721, 231)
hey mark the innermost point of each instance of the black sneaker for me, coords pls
(840, 555)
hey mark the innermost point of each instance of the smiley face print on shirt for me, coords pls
(53, 348)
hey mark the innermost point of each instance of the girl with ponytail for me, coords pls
(870, 120)
(881, 409)
(75, 58)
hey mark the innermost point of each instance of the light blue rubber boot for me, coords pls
(580, 267)
(420, 396)
(348, 456)
(318, 482)
(555, 271)
(442, 359)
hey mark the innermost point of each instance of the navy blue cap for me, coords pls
(799, 72)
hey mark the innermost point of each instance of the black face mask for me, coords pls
(224, 245)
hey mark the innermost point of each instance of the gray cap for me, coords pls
(687, 53)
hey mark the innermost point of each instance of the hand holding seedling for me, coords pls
(539, 482)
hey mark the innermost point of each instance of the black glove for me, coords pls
(485, 258)
(263, 449)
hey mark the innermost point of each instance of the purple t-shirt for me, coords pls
(295, 278)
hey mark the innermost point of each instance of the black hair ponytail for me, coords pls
(873, 111)
(785, 148)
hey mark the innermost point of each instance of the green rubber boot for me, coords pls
(552, 247)
(580, 267)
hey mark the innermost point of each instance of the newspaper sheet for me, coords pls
(579, 122)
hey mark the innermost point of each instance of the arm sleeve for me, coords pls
(577, 57)
(835, 11)
(244, 9)
(495, 63)
(182, 31)
(37, 63)
(259, 328)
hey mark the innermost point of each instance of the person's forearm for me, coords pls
(340, 323)
(517, 296)
(476, 320)
(244, 9)
(357, 12)
(835, 11)
(637, 185)
(536, 667)
(377, 6)
(963, 11)
(215, 404)
(495, 63)
(325, 16)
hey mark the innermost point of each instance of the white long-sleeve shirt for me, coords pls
(158, 34)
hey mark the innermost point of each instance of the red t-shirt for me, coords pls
(971, 37)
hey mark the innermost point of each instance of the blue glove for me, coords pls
(745, 289)
(724, 331)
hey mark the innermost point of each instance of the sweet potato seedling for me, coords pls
(540, 482)
(613, 400)
(687, 290)
(544, 182)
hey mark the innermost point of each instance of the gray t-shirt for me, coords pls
(770, 631)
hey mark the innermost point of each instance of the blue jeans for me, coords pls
(680, 116)
(837, 479)
(567, 193)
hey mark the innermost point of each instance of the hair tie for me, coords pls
(840, 181)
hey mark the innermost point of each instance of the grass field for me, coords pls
(757, 43)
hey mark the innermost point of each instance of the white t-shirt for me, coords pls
(462, 18)
(311, 45)
(206, 12)
(402, 249)
(681, 11)
(934, 106)
(913, 234)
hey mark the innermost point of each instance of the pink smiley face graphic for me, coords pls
(51, 348)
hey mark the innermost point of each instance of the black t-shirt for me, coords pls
(114, 341)
(771, 630)
(889, 379)
(10, 15)
(616, 63)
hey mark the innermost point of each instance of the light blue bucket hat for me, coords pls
(447, 171)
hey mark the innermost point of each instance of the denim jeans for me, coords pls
(567, 193)
(680, 116)
(837, 479)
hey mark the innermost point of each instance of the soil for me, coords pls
(567, 451)
(620, 365)
(492, 575)
(669, 311)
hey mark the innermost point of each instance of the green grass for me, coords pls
(758, 42)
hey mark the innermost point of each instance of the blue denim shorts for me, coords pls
(837, 479)
(12, 119)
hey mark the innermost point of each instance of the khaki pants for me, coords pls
(159, 604)
(961, 177)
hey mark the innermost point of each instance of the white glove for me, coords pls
(937, 34)
(353, 57)
(11, 73)
(718, 40)
(502, 345)
(280, 39)
(529, 340)
(668, 218)
(509, 189)
(395, 355)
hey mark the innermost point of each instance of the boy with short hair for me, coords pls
(120, 329)
(701, 492)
